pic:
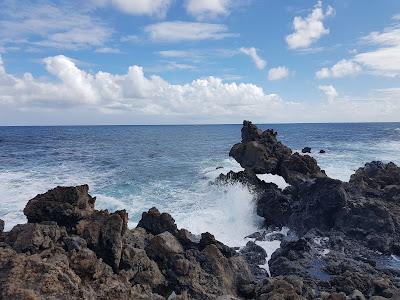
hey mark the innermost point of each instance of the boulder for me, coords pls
(322, 151)
(64, 205)
(54, 275)
(283, 287)
(275, 206)
(155, 222)
(255, 257)
(34, 238)
(261, 153)
(137, 238)
(140, 268)
(104, 233)
(163, 246)
(376, 175)
(74, 243)
(306, 150)
(254, 254)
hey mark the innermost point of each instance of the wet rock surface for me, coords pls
(261, 153)
(69, 250)
(345, 236)
(343, 240)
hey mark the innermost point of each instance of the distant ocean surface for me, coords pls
(170, 167)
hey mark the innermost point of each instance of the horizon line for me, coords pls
(197, 124)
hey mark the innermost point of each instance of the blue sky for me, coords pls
(198, 61)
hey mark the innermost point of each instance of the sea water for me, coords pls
(170, 167)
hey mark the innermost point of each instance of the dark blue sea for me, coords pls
(137, 167)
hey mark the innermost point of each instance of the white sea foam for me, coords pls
(270, 246)
(278, 180)
(227, 212)
(17, 187)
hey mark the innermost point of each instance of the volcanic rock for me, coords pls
(64, 205)
(103, 233)
(155, 222)
(95, 256)
(261, 153)
(34, 238)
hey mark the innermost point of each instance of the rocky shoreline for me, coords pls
(343, 240)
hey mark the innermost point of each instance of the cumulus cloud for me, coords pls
(252, 53)
(329, 91)
(278, 73)
(178, 31)
(130, 91)
(310, 29)
(340, 69)
(66, 26)
(384, 60)
(143, 7)
(202, 9)
(70, 91)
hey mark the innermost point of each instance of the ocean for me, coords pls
(170, 167)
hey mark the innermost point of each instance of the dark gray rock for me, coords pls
(261, 153)
(155, 222)
(306, 150)
(74, 243)
(64, 205)
(104, 233)
(34, 238)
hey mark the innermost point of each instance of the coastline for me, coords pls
(342, 239)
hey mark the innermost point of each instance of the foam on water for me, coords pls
(278, 180)
(172, 176)
(17, 187)
(270, 246)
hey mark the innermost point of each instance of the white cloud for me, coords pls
(252, 53)
(278, 73)
(309, 29)
(169, 66)
(179, 31)
(143, 7)
(384, 60)
(340, 69)
(177, 53)
(388, 37)
(45, 25)
(108, 50)
(202, 9)
(329, 91)
(134, 96)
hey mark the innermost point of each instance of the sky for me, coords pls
(198, 61)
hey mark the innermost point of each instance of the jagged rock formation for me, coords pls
(343, 233)
(69, 250)
(261, 153)
(342, 236)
